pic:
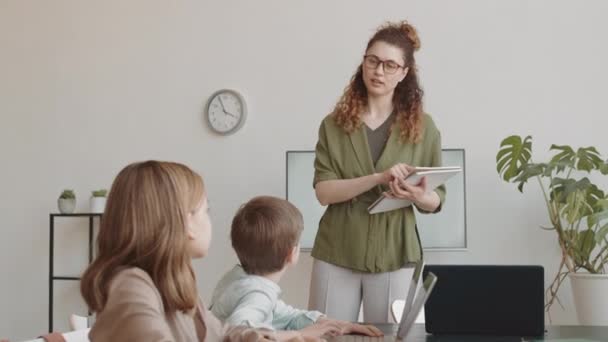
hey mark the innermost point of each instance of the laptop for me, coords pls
(411, 294)
(413, 305)
(486, 299)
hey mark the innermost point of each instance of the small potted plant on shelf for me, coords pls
(578, 215)
(67, 202)
(98, 200)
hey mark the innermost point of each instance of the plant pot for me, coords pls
(590, 293)
(98, 204)
(66, 205)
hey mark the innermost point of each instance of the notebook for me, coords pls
(486, 299)
(435, 176)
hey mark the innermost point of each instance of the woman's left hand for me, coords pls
(361, 329)
(353, 328)
(401, 189)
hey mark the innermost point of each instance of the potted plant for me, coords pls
(578, 213)
(98, 200)
(66, 202)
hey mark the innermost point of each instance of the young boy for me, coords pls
(265, 235)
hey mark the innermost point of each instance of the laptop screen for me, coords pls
(407, 321)
(411, 292)
(486, 299)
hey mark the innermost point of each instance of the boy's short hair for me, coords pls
(264, 232)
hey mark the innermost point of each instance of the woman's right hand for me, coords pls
(397, 171)
(316, 332)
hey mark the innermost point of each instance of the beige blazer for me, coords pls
(134, 312)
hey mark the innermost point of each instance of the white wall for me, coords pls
(87, 87)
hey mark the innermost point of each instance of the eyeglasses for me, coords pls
(372, 62)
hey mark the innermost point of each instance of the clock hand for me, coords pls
(224, 108)
(230, 114)
(222, 103)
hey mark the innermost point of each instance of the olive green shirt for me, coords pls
(348, 235)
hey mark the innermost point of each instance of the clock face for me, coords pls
(226, 111)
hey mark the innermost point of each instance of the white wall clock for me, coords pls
(226, 111)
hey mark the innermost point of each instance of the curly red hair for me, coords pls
(407, 98)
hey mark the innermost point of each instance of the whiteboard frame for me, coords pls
(464, 188)
(425, 249)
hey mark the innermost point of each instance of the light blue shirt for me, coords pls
(243, 299)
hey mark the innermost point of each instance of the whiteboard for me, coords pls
(442, 231)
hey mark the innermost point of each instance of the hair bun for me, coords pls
(411, 34)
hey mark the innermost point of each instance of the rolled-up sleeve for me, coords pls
(287, 317)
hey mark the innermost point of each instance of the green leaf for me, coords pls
(588, 159)
(513, 156)
(574, 209)
(528, 171)
(579, 245)
(601, 234)
(565, 158)
(597, 218)
(604, 168)
(67, 194)
(557, 189)
(601, 204)
(557, 166)
(594, 196)
(563, 187)
(586, 243)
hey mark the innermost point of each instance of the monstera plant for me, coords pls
(577, 208)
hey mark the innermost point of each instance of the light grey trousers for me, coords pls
(339, 292)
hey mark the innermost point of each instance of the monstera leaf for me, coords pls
(596, 198)
(584, 159)
(586, 244)
(599, 215)
(597, 218)
(600, 237)
(574, 208)
(564, 158)
(604, 168)
(513, 157)
(580, 244)
(528, 171)
(561, 188)
(557, 167)
(588, 159)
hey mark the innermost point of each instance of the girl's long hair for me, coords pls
(144, 226)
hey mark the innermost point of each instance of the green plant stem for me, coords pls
(554, 205)
(552, 290)
(597, 257)
(547, 201)
(602, 263)
(578, 224)
(556, 221)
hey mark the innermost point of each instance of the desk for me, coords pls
(561, 333)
